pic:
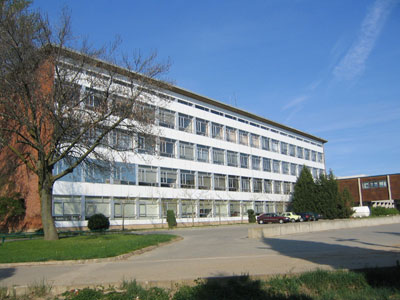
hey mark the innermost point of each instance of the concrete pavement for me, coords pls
(225, 251)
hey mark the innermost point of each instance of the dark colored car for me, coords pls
(307, 216)
(271, 218)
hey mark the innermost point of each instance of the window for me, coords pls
(265, 143)
(168, 177)
(277, 187)
(266, 164)
(257, 185)
(147, 176)
(313, 156)
(292, 150)
(307, 154)
(300, 152)
(320, 157)
(285, 167)
(245, 184)
(314, 172)
(267, 186)
(284, 148)
(293, 169)
(277, 166)
(145, 112)
(67, 208)
(204, 180)
(232, 159)
(167, 147)
(243, 138)
(218, 156)
(166, 118)
(93, 98)
(185, 123)
(217, 131)
(202, 153)
(275, 145)
(255, 162)
(231, 134)
(124, 173)
(255, 141)
(121, 140)
(233, 183)
(286, 188)
(97, 171)
(145, 144)
(219, 182)
(244, 161)
(374, 184)
(201, 127)
(186, 150)
(187, 179)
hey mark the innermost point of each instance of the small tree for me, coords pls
(251, 215)
(345, 204)
(171, 220)
(98, 222)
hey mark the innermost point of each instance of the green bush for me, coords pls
(251, 215)
(383, 211)
(171, 220)
(98, 222)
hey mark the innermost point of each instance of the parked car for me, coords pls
(292, 216)
(307, 216)
(272, 218)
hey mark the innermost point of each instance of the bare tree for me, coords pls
(58, 106)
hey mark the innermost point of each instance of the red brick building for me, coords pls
(378, 190)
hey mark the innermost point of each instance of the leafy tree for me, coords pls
(304, 196)
(46, 118)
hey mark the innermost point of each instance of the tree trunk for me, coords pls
(46, 193)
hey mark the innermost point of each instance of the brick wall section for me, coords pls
(395, 186)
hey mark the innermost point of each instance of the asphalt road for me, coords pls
(225, 251)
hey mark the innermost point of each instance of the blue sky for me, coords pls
(329, 68)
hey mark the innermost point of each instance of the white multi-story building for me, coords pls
(211, 163)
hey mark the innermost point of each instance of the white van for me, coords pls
(361, 211)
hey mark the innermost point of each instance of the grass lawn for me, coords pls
(80, 247)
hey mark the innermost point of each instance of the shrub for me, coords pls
(171, 220)
(251, 215)
(98, 222)
(383, 211)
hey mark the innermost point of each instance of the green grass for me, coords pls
(368, 284)
(80, 247)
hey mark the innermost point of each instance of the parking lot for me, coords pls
(224, 251)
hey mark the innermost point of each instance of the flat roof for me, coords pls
(123, 71)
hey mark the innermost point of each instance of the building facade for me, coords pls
(378, 190)
(207, 161)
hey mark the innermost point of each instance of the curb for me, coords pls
(91, 261)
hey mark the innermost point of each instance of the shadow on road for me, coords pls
(7, 272)
(334, 255)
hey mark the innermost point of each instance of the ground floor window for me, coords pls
(205, 208)
(148, 208)
(235, 208)
(189, 208)
(221, 208)
(169, 204)
(97, 205)
(258, 207)
(67, 208)
(124, 208)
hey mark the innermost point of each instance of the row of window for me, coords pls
(71, 208)
(131, 174)
(218, 131)
(374, 184)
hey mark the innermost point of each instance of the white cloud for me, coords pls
(295, 102)
(353, 63)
